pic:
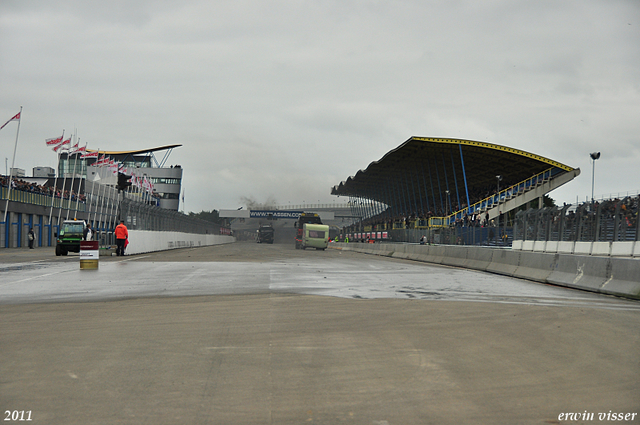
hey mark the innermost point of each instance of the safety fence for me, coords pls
(472, 235)
(41, 199)
(104, 208)
(613, 220)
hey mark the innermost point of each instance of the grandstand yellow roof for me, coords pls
(424, 166)
(135, 152)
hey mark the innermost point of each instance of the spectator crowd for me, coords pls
(25, 186)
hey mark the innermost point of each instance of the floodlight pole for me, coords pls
(498, 178)
(448, 206)
(594, 157)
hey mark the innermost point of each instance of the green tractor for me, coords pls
(69, 236)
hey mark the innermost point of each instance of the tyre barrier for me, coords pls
(607, 275)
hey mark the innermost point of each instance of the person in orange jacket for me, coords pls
(122, 234)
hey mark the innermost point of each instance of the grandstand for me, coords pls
(438, 182)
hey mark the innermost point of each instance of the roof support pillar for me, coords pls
(464, 175)
(442, 205)
(392, 203)
(426, 191)
(419, 192)
(455, 179)
(412, 195)
(433, 192)
(401, 197)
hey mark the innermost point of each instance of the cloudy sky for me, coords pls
(284, 99)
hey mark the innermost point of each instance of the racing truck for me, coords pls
(265, 233)
(311, 232)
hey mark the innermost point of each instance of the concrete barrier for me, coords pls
(608, 275)
(417, 252)
(539, 246)
(582, 248)
(622, 249)
(535, 266)
(401, 252)
(527, 245)
(577, 271)
(601, 248)
(565, 247)
(504, 262)
(436, 254)
(551, 247)
(455, 256)
(624, 279)
(479, 258)
(141, 241)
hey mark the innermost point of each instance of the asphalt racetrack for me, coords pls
(265, 334)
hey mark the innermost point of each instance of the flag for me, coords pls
(73, 149)
(62, 145)
(89, 154)
(101, 161)
(82, 150)
(16, 117)
(54, 142)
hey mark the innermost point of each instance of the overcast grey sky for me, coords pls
(284, 99)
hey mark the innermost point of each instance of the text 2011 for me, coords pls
(17, 415)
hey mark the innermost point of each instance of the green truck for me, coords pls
(69, 236)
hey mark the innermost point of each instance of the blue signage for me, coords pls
(275, 214)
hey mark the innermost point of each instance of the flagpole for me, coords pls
(73, 176)
(104, 192)
(55, 184)
(75, 213)
(112, 201)
(13, 161)
(64, 184)
(109, 202)
(89, 201)
(99, 200)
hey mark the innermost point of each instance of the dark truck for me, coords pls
(69, 236)
(265, 233)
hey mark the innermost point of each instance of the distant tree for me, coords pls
(548, 201)
(212, 216)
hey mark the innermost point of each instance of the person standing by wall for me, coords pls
(32, 237)
(87, 234)
(122, 234)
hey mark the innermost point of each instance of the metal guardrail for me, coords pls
(41, 199)
(496, 199)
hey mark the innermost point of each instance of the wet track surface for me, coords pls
(266, 334)
(247, 268)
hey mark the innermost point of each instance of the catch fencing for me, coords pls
(613, 220)
(103, 208)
